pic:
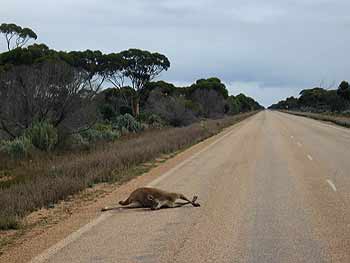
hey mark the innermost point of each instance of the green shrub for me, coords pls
(151, 120)
(17, 148)
(110, 135)
(155, 121)
(100, 132)
(92, 135)
(102, 127)
(9, 222)
(127, 123)
(75, 142)
(107, 112)
(42, 135)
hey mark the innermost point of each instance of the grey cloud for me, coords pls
(284, 46)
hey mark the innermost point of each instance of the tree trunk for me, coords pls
(136, 106)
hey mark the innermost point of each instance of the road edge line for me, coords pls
(78, 233)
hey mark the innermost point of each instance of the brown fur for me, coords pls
(154, 198)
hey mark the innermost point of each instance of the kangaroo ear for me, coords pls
(150, 197)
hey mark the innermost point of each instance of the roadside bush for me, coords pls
(17, 148)
(100, 133)
(75, 142)
(47, 180)
(42, 135)
(110, 135)
(155, 121)
(172, 109)
(107, 112)
(91, 135)
(127, 123)
(151, 120)
(9, 222)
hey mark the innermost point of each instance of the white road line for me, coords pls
(299, 144)
(331, 185)
(310, 157)
(75, 235)
(292, 137)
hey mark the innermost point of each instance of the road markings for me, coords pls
(299, 144)
(77, 234)
(71, 238)
(292, 137)
(331, 185)
(310, 157)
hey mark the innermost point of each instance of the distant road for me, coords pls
(274, 189)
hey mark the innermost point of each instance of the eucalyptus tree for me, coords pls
(16, 36)
(91, 64)
(344, 90)
(141, 67)
(41, 84)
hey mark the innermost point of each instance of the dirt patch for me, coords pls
(46, 227)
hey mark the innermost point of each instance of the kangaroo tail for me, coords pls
(126, 202)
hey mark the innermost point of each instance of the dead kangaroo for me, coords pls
(155, 199)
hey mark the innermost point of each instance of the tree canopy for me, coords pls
(344, 90)
(16, 36)
(210, 84)
(143, 66)
(318, 99)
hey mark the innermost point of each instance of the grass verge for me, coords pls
(339, 120)
(44, 181)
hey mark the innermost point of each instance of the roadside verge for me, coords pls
(49, 226)
(338, 120)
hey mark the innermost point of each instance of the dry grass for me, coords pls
(336, 119)
(46, 179)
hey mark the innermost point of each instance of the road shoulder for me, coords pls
(51, 226)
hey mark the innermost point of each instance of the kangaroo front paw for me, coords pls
(194, 199)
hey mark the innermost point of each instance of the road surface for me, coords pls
(274, 189)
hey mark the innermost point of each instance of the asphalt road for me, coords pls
(274, 189)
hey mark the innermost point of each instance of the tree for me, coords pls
(141, 67)
(211, 102)
(344, 90)
(247, 103)
(234, 105)
(91, 64)
(210, 84)
(14, 32)
(168, 89)
(30, 55)
(172, 109)
(115, 69)
(51, 91)
(115, 101)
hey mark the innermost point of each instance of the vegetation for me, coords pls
(42, 135)
(334, 118)
(319, 100)
(20, 36)
(48, 179)
(62, 129)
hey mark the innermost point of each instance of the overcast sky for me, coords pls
(267, 49)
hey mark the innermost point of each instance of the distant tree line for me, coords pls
(178, 106)
(38, 83)
(319, 100)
